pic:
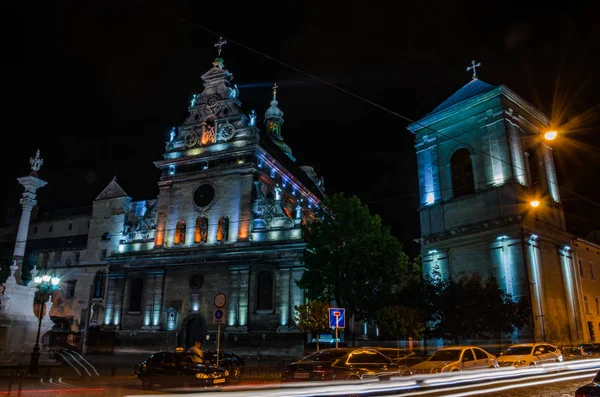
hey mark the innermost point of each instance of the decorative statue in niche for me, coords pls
(224, 224)
(203, 229)
(299, 209)
(182, 233)
(252, 122)
(277, 192)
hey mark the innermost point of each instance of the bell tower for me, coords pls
(482, 160)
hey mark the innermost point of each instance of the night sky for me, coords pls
(96, 86)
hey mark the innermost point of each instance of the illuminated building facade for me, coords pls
(227, 219)
(587, 263)
(481, 160)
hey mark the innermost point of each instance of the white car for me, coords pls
(454, 359)
(523, 354)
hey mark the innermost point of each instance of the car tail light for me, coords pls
(320, 368)
(579, 394)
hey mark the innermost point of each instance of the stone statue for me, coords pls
(203, 229)
(172, 134)
(299, 209)
(194, 100)
(225, 228)
(252, 118)
(36, 162)
(234, 91)
(277, 192)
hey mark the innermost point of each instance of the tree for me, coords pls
(351, 259)
(312, 316)
(399, 322)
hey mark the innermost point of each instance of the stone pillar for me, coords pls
(244, 297)
(163, 206)
(153, 300)
(537, 305)
(296, 293)
(284, 296)
(516, 151)
(569, 284)
(551, 173)
(233, 301)
(31, 183)
(477, 180)
(119, 300)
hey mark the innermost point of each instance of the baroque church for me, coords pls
(490, 204)
(227, 220)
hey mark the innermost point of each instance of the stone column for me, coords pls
(296, 293)
(119, 300)
(284, 296)
(31, 183)
(551, 173)
(111, 294)
(233, 301)
(163, 206)
(244, 297)
(153, 300)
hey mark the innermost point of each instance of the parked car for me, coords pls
(403, 357)
(591, 389)
(522, 354)
(344, 363)
(456, 358)
(228, 360)
(179, 368)
(590, 348)
(573, 352)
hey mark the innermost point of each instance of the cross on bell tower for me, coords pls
(474, 66)
(219, 44)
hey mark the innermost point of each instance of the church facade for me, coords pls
(482, 162)
(227, 221)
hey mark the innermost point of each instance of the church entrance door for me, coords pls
(195, 331)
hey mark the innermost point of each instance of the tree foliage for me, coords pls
(352, 259)
(312, 316)
(399, 322)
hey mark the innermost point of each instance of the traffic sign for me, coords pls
(218, 316)
(337, 318)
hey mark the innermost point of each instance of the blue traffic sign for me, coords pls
(337, 318)
(218, 316)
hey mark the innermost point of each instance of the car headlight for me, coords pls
(200, 375)
(436, 370)
(521, 362)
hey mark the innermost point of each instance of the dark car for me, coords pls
(591, 389)
(590, 348)
(228, 360)
(179, 369)
(341, 364)
(403, 357)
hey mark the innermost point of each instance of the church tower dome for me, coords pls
(273, 122)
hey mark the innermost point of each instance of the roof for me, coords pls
(469, 90)
(274, 150)
(113, 190)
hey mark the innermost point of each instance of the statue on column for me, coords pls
(36, 163)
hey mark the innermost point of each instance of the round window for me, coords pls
(204, 195)
(197, 280)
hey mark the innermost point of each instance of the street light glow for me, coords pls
(534, 203)
(550, 135)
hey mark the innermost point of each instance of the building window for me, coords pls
(201, 232)
(99, 279)
(103, 254)
(50, 228)
(71, 288)
(265, 291)
(592, 332)
(35, 229)
(77, 256)
(180, 233)
(135, 295)
(462, 173)
(70, 226)
(586, 304)
(580, 268)
(223, 230)
(592, 274)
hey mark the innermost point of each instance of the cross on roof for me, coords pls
(220, 44)
(275, 87)
(474, 66)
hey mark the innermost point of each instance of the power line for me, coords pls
(229, 39)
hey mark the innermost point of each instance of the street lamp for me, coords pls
(534, 203)
(550, 135)
(45, 284)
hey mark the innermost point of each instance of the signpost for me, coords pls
(337, 319)
(219, 317)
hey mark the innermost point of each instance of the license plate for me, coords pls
(219, 380)
(301, 375)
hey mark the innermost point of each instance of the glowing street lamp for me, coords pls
(45, 284)
(550, 135)
(534, 203)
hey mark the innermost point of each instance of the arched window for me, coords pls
(99, 280)
(223, 230)
(180, 233)
(201, 231)
(265, 291)
(135, 295)
(462, 173)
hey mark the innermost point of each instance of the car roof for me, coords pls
(460, 347)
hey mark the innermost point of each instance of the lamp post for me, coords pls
(45, 284)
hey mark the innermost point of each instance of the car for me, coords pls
(179, 368)
(455, 359)
(590, 348)
(591, 389)
(403, 357)
(343, 363)
(228, 360)
(523, 354)
(573, 353)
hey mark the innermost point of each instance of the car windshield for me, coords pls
(445, 355)
(518, 350)
(325, 355)
(188, 359)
